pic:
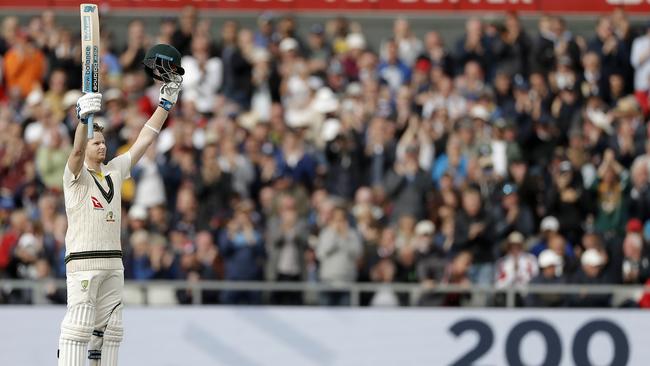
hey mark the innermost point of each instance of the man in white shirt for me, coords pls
(517, 267)
(92, 327)
(640, 60)
(203, 75)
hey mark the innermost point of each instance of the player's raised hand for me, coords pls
(169, 91)
(87, 104)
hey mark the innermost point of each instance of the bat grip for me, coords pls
(89, 126)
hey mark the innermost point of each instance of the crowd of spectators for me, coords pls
(509, 157)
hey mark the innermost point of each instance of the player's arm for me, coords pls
(148, 134)
(87, 104)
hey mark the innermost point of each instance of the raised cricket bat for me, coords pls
(90, 53)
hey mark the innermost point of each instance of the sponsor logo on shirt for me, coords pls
(96, 204)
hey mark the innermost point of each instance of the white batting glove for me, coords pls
(169, 92)
(88, 103)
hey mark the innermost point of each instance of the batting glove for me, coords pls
(169, 92)
(87, 104)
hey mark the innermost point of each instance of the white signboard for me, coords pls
(225, 336)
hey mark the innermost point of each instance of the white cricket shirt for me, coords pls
(94, 209)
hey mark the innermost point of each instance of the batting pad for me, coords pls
(112, 338)
(76, 330)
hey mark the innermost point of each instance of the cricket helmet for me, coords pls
(162, 61)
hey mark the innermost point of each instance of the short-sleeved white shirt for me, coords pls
(93, 206)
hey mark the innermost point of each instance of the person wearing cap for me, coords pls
(591, 272)
(548, 227)
(137, 218)
(512, 214)
(550, 273)
(430, 259)
(517, 267)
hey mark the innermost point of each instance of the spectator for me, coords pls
(136, 47)
(51, 158)
(591, 273)
(384, 272)
(182, 37)
(474, 46)
(237, 69)
(265, 28)
(455, 273)
(636, 264)
(512, 215)
(140, 264)
(19, 224)
(517, 267)
(474, 231)
(567, 200)
(408, 45)
(408, 186)
(610, 49)
(639, 194)
(430, 261)
(550, 265)
(242, 247)
(640, 60)
(203, 75)
(392, 69)
(214, 189)
(436, 53)
(339, 248)
(611, 189)
(24, 67)
(286, 247)
(518, 46)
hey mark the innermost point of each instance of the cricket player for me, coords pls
(92, 327)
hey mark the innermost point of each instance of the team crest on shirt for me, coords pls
(84, 285)
(96, 204)
(110, 217)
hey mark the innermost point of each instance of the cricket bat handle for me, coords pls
(89, 126)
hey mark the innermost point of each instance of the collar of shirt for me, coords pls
(101, 174)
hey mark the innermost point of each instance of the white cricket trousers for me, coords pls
(92, 326)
